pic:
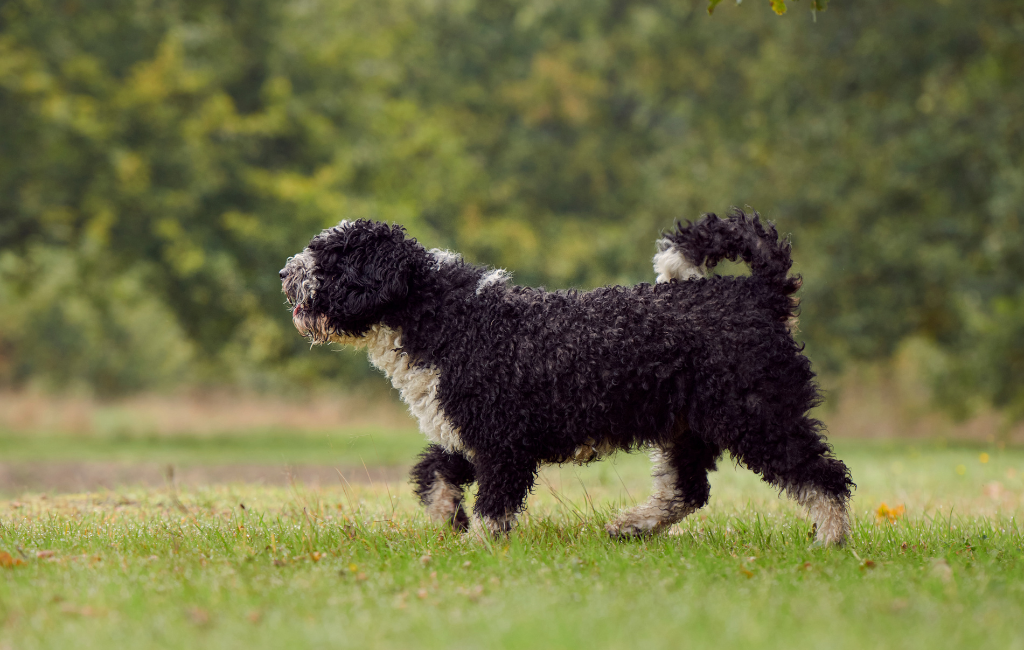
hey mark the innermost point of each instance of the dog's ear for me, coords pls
(367, 268)
(389, 266)
(379, 285)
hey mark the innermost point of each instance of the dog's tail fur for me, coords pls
(690, 250)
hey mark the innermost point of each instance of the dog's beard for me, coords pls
(318, 329)
(312, 326)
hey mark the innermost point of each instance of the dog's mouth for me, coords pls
(297, 294)
(318, 330)
(295, 303)
(299, 283)
(300, 318)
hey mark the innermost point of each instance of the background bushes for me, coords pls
(159, 160)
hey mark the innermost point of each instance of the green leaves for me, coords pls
(158, 166)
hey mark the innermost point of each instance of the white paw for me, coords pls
(630, 524)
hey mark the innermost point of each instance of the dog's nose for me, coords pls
(283, 273)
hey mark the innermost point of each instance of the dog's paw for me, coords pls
(486, 528)
(819, 544)
(628, 526)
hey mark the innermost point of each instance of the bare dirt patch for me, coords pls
(81, 476)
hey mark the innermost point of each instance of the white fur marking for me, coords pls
(494, 276)
(485, 527)
(442, 500)
(828, 514)
(671, 264)
(416, 384)
(445, 257)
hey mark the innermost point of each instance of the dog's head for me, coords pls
(349, 278)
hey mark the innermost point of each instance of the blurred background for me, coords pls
(160, 159)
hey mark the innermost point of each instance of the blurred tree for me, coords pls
(778, 6)
(139, 135)
(160, 161)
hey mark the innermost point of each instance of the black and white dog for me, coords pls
(504, 378)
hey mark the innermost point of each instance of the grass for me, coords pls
(359, 566)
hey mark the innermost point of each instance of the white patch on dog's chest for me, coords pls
(416, 384)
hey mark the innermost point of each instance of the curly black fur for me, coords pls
(712, 240)
(528, 376)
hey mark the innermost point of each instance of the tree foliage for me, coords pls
(161, 159)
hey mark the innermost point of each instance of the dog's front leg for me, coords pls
(438, 480)
(503, 481)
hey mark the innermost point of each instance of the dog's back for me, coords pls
(616, 365)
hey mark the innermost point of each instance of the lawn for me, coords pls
(358, 565)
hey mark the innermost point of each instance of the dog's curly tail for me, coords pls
(699, 246)
(690, 250)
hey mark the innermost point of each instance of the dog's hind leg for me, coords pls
(438, 480)
(799, 461)
(827, 509)
(680, 487)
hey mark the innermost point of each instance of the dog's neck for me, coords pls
(439, 291)
(416, 383)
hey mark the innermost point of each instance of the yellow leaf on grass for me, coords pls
(8, 561)
(885, 513)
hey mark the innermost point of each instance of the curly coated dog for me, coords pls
(504, 378)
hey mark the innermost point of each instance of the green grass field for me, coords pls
(359, 565)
